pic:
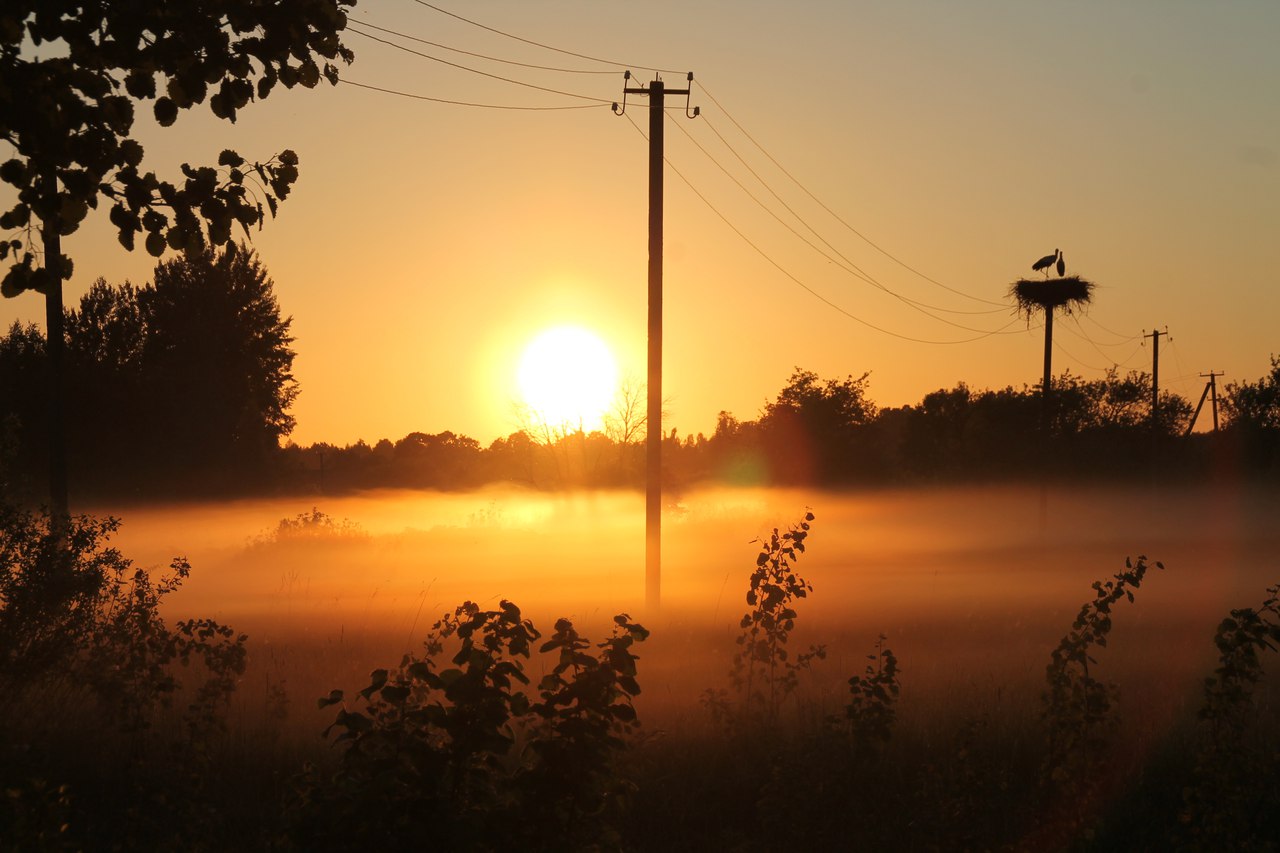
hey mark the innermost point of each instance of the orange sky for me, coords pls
(426, 244)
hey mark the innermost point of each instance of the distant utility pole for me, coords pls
(1155, 372)
(1210, 390)
(657, 93)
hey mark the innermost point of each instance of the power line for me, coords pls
(843, 263)
(827, 243)
(468, 103)
(1080, 332)
(1068, 354)
(545, 46)
(1123, 338)
(477, 71)
(835, 215)
(798, 281)
(530, 65)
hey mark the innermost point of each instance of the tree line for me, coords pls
(183, 386)
(828, 432)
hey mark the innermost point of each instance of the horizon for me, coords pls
(426, 245)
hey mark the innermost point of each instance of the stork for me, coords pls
(1062, 265)
(1045, 262)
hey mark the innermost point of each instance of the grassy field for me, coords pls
(973, 589)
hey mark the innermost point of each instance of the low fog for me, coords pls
(972, 586)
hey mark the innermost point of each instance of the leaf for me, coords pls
(166, 112)
(334, 697)
(155, 244)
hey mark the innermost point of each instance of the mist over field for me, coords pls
(971, 587)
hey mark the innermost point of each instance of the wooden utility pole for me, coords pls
(1210, 390)
(657, 92)
(1155, 373)
(1048, 369)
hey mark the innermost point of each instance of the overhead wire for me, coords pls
(1081, 333)
(796, 279)
(848, 265)
(365, 23)
(1123, 338)
(918, 305)
(470, 103)
(842, 262)
(833, 213)
(545, 46)
(478, 71)
(1058, 345)
(814, 231)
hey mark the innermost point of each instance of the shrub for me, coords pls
(870, 713)
(764, 674)
(82, 641)
(1079, 713)
(463, 755)
(1232, 796)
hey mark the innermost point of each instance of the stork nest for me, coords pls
(1037, 294)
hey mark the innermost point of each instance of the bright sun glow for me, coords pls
(568, 377)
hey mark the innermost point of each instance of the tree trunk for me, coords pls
(59, 511)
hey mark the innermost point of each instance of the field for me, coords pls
(973, 589)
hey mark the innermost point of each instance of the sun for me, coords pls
(568, 378)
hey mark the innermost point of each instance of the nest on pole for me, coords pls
(1036, 294)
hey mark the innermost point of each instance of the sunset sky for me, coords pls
(426, 244)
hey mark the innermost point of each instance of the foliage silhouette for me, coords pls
(81, 628)
(870, 714)
(1231, 803)
(68, 111)
(1079, 709)
(764, 674)
(196, 368)
(463, 755)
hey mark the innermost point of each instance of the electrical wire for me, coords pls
(797, 280)
(1123, 339)
(1058, 345)
(843, 262)
(835, 215)
(474, 55)
(1080, 332)
(857, 271)
(476, 70)
(815, 233)
(468, 103)
(546, 46)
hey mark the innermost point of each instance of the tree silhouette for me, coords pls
(1255, 405)
(820, 417)
(72, 74)
(195, 371)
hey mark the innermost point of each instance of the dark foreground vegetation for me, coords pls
(495, 732)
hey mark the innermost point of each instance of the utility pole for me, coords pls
(1155, 372)
(657, 92)
(1210, 390)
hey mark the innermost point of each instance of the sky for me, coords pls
(896, 156)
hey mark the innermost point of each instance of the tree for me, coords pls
(70, 76)
(195, 370)
(1255, 405)
(216, 362)
(820, 417)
